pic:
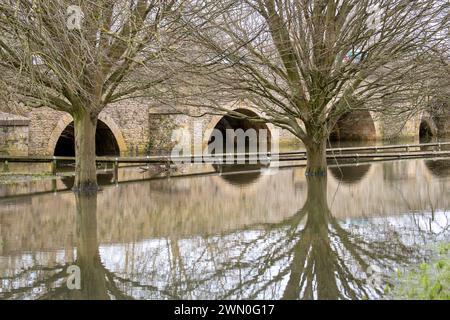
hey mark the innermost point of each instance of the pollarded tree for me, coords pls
(306, 63)
(78, 56)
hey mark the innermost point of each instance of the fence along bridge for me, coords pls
(403, 151)
(348, 154)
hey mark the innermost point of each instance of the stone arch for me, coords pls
(357, 125)
(67, 119)
(57, 131)
(244, 109)
(116, 132)
(427, 128)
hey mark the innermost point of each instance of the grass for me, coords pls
(428, 281)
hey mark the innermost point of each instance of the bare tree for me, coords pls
(80, 58)
(306, 63)
(439, 104)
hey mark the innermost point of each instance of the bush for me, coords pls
(429, 281)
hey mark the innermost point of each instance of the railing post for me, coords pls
(54, 163)
(116, 171)
(167, 165)
(54, 185)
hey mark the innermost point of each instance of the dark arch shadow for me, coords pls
(233, 122)
(106, 144)
(354, 126)
(426, 133)
(233, 173)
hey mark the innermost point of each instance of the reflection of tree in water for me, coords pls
(329, 262)
(50, 282)
(310, 255)
(314, 258)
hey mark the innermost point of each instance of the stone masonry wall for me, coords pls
(132, 119)
(13, 135)
(392, 128)
(146, 128)
(42, 123)
(13, 140)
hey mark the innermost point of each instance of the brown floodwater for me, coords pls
(250, 234)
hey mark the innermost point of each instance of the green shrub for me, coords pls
(429, 281)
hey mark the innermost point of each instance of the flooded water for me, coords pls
(255, 235)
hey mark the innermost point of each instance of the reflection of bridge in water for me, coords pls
(188, 207)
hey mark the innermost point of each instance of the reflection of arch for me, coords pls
(438, 168)
(103, 179)
(223, 122)
(354, 126)
(350, 174)
(233, 174)
(104, 123)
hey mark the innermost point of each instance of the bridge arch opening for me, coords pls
(254, 131)
(426, 132)
(105, 141)
(354, 126)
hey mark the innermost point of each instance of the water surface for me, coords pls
(269, 235)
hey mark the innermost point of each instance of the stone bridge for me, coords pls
(136, 128)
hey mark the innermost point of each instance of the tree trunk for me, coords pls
(316, 154)
(93, 275)
(313, 271)
(85, 166)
